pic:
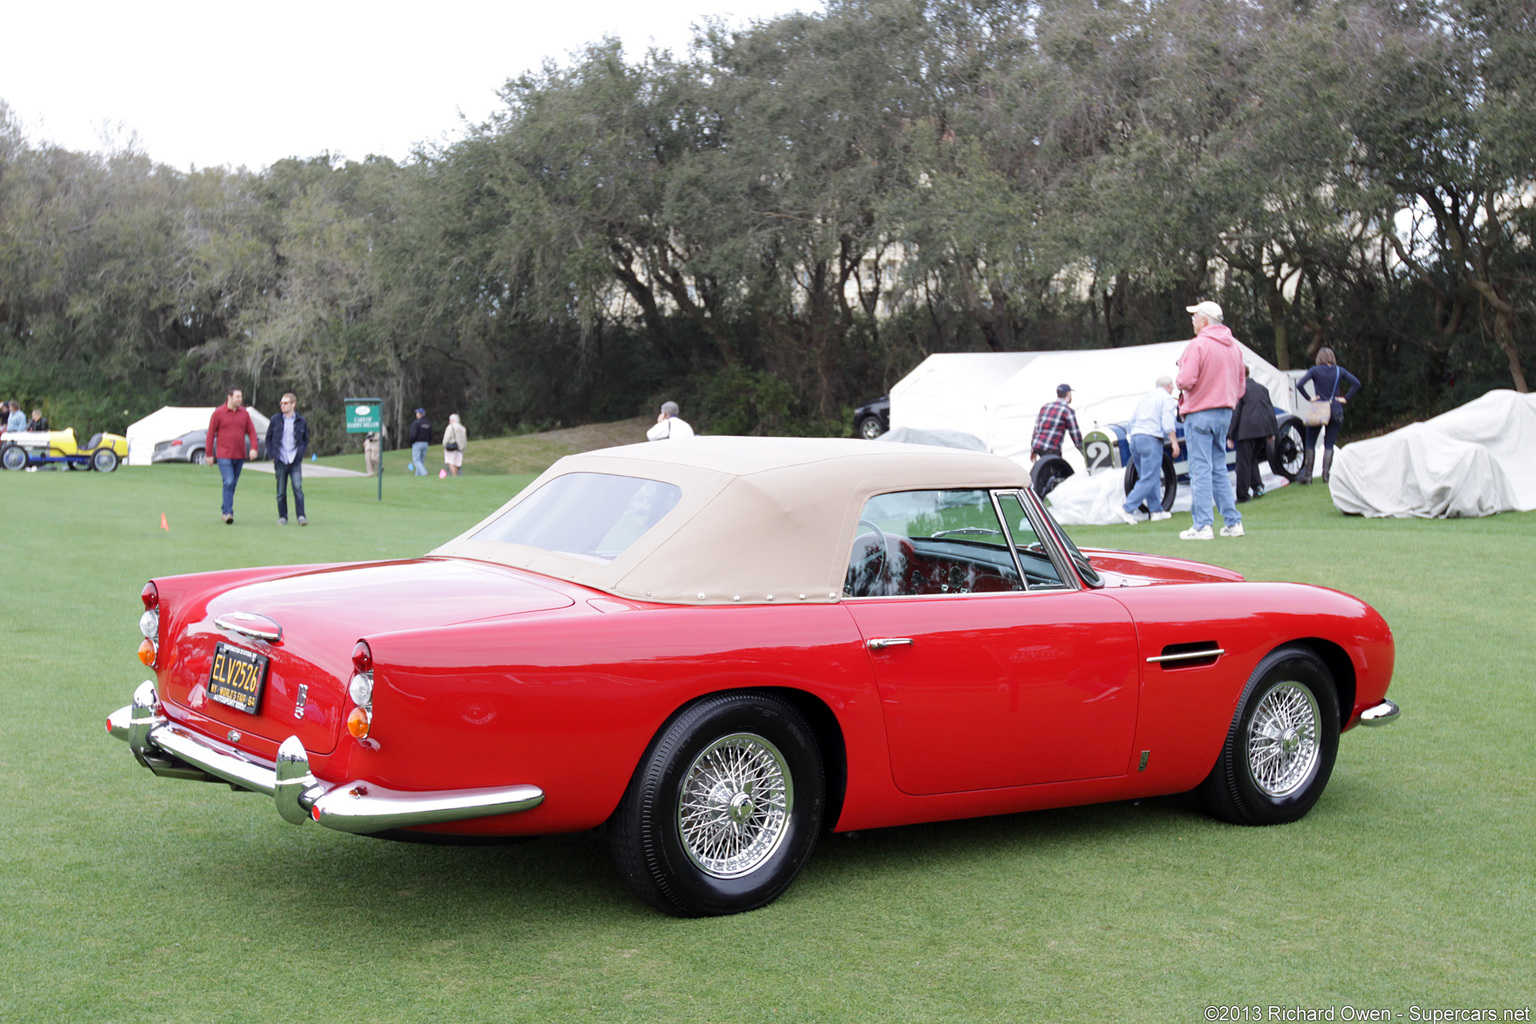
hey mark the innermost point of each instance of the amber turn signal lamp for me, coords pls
(358, 722)
(147, 652)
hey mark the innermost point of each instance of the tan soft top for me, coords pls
(761, 519)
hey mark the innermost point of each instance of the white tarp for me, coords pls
(169, 422)
(1476, 460)
(946, 391)
(997, 395)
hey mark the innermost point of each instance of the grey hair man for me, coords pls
(1155, 420)
(669, 424)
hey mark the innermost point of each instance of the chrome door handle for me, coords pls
(882, 642)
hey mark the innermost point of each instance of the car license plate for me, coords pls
(237, 677)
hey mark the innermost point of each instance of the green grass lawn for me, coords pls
(131, 898)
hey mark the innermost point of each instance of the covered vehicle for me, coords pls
(720, 647)
(21, 449)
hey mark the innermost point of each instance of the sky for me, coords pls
(200, 84)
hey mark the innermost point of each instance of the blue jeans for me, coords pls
(418, 453)
(229, 471)
(1147, 451)
(1205, 434)
(285, 472)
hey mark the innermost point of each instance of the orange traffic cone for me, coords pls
(163, 524)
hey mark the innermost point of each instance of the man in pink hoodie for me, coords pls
(1210, 381)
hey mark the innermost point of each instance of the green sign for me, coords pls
(364, 415)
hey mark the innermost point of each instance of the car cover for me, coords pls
(1475, 460)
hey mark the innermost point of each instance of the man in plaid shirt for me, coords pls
(1055, 418)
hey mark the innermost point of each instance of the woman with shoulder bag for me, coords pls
(1327, 378)
(455, 440)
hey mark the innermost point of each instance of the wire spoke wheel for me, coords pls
(734, 805)
(1281, 745)
(1283, 750)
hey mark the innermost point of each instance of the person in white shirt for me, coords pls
(1155, 419)
(669, 424)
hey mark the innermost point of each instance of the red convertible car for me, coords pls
(717, 648)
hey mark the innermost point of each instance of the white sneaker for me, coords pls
(1232, 531)
(1197, 533)
(1159, 516)
(1126, 517)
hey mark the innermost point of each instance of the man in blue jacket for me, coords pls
(287, 441)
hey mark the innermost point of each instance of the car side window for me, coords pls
(929, 543)
(1040, 573)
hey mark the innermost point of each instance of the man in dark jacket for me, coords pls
(419, 438)
(1253, 424)
(287, 441)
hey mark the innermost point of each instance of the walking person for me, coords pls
(420, 438)
(1210, 380)
(1327, 378)
(1052, 422)
(1253, 425)
(231, 439)
(287, 441)
(1155, 419)
(455, 441)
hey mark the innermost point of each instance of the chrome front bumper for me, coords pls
(1384, 713)
(175, 752)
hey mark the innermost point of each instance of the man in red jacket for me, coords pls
(231, 440)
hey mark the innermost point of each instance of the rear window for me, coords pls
(596, 516)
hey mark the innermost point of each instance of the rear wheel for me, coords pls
(870, 427)
(197, 457)
(724, 808)
(13, 457)
(104, 460)
(1280, 749)
(1170, 481)
(1047, 472)
(1287, 449)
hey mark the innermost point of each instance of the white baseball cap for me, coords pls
(1207, 309)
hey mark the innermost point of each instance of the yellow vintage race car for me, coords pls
(23, 449)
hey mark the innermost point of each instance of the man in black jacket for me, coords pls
(1253, 424)
(419, 438)
(287, 441)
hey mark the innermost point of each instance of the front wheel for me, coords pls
(870, 427)
(724, 808)
(1280, 748)
(104, 460)
(13, 457)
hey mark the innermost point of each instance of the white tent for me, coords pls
(170, 422)
(997, 395)
(1472, 461)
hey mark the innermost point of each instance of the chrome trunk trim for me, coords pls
(250, 624)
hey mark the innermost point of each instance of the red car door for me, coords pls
(1010, 689)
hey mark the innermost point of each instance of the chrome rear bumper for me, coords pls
(1384, 713)
(175, 752)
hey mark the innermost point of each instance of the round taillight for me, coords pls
(362, 657)
(150, 595)
(358, 722)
